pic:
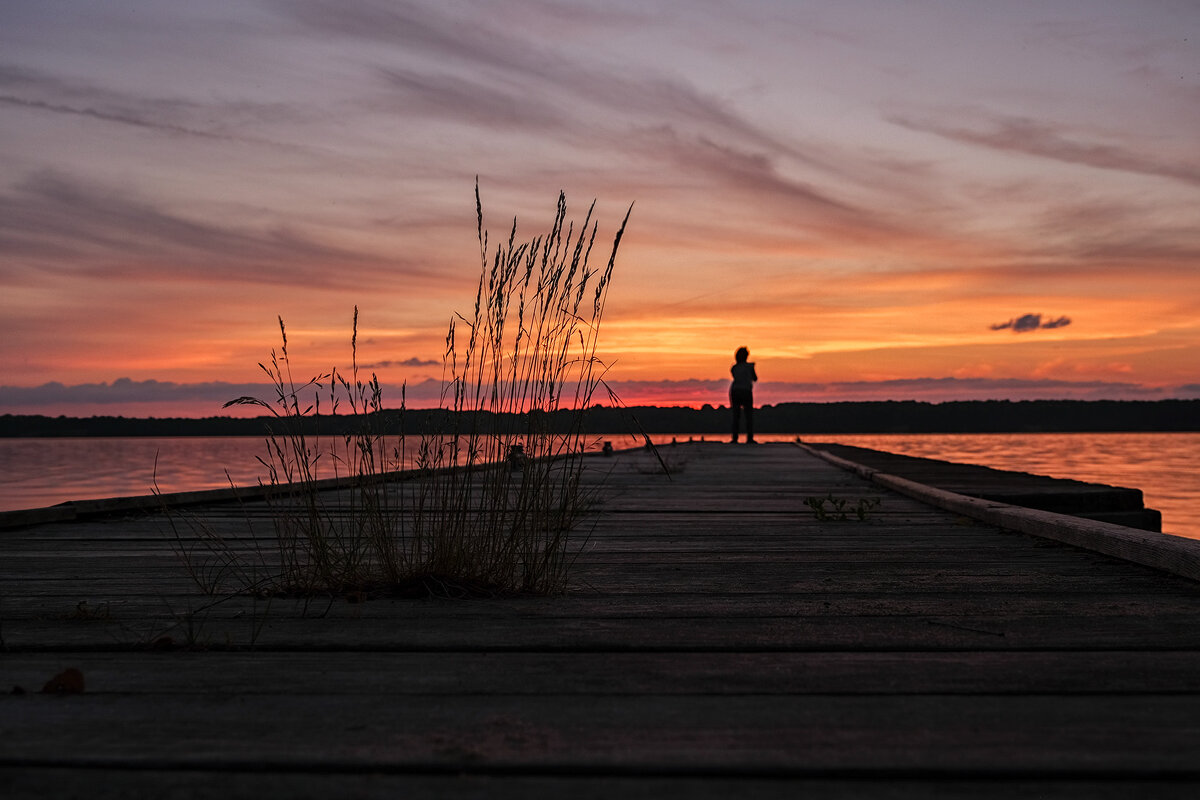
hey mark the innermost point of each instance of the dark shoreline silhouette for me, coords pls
(970, 416)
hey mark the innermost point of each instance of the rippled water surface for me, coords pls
(41, 472)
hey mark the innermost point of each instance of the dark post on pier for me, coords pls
(768, 620)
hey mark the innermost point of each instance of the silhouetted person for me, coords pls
(741, 392)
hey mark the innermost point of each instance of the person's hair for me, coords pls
(741, 355)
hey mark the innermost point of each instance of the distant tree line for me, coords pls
(970, 416)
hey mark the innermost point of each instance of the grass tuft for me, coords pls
(493, 502)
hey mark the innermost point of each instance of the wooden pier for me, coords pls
(721, 637)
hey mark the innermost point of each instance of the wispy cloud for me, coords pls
(500, 73)
(173, 116)
(109, 116)
(84, 228)
(518, 78)
(469, 101)
(1045, 140)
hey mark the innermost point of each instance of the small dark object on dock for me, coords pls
(516, 457)
(607, 449)
(69, 681)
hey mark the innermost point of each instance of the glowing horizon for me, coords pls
(933, 201)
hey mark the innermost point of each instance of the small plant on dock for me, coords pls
(839, 509)
(495, 493)
(330, 540)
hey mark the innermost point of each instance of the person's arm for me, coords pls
(753, 374)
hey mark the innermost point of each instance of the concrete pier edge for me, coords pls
(1173, 554)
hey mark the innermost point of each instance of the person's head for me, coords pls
(741, 355)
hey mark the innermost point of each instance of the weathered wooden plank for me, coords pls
(788, 561)
(616, 537)
(455, 673)
(1143, 735)
(69, 607)
(371, 782)
(192, 626)
(25, 560)
(674, 579)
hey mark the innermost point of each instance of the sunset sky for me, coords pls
(882, 200)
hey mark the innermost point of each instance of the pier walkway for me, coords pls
(720, 638)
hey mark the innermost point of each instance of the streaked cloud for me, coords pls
(174, 116)
(469, 101)
(516, 79)
(74, 227)
(1044, 139)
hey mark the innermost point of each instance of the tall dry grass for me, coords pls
(528, 350)
(493, 503)
(337, 528)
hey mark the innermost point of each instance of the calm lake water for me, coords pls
(42, 472)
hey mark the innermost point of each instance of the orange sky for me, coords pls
(933, 201)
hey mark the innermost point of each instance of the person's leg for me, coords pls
(734, 408)
(749, 421)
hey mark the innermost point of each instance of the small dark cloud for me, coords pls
(1030, 322)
